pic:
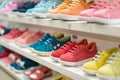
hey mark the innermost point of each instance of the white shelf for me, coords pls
(74, 72)
(10, 72)
(82, 26)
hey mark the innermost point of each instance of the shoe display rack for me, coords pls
(108, 32)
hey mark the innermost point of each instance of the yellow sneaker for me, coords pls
(99, 60)
(111, 71)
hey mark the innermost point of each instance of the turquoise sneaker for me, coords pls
(3, 4)
(42, 11)
(40, 4)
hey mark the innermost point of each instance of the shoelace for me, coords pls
(73, 49)
(114, 57)
(66, 45)
(74, 4)
(63, 3)
(99, 4)
(98, 56)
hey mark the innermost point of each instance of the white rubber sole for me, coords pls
(90, 72)
(68, 17)
(108, 77)
(74, 63)
(53, 16)
(54, 58)
(88, 19)
(3, 13)
(42, 53)
(21, 45)
(106, 21)
(39, 15)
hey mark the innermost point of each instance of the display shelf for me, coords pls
(82, 26)
(10, 72)
(73, 72)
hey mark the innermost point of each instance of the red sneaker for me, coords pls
(79, 54)
(65, 48)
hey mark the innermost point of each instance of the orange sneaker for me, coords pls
(60, 7)
(73, 11)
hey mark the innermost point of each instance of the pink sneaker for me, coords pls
(29, 39)
(13, 34)
(79, 54)
(12, 57)
(10, 6)
(89, 13)
(65, 48)
(109, 15)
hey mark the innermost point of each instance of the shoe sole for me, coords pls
(21, 45)
(84, 18)
(106, 21)
(42, 53)
(108, 77)
(90, 72)
(74, 63)
(53, 16)
(39, 15)
(68, 17)
(54, 58)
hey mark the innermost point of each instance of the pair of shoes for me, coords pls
(42, 11)
(50, 45)
(38, 73)
(74, 54)
(22, 64)
(28, 38)
(73, 10)
(12, 57)
(14, 33)
(100, 60)
(103, 11)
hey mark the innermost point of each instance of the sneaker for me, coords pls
(29, 39)
(109, 15)
(3, 4)
(44, 38)
(22, 64)
(53, 13)
(78, 54)
(73, 11)
(98, 61)
(110, 71)
(13, 34)
(89, 13)
(41, 73)
(65, 48)
(42, 11)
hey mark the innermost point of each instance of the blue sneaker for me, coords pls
(3, 4)
(50, 45)
(40, 4)
(44, 38)
(46, 47)
(43, 10)
(23, 64)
